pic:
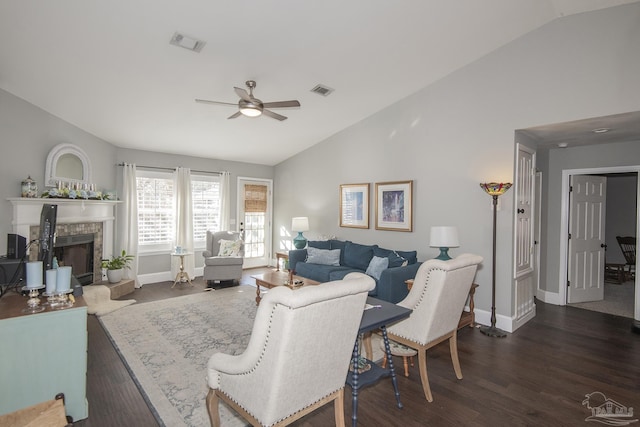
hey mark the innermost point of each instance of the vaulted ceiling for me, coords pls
(108, 66)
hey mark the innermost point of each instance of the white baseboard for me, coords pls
(549, 297)
(506, 323)
(163, 276)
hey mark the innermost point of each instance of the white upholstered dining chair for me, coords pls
(437, 299)
(298, 355)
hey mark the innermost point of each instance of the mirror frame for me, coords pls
(51, 174)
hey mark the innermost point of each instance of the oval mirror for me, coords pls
(67, 162)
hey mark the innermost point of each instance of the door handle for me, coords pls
(602, 245)
(520, 211)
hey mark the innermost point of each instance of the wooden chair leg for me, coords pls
(339, 408)
(422, 365)
(406, 365)
(366, 343)
(384, 361)
(212, 408)
(453, 348)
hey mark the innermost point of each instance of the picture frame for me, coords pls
(394, 206)
(354, 205)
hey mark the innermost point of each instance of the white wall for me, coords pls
(459, 132)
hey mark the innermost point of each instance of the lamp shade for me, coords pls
(496, 188)
(300, 223)
(444, 236)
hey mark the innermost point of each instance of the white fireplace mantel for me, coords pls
(26, 212)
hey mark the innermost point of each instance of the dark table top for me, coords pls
(388, 313)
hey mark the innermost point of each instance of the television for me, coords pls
(48, 217)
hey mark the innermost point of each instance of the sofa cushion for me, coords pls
(338, 274)
(357, 256)
(319, 244)
(395, 260)
(339, 244)
(323, 256)
(318, 272)
(376, 266)
(223, 260)
(411, 256)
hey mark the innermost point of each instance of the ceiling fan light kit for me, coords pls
(250, 106)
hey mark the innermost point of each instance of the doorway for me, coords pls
(567, 175)
(254, 213)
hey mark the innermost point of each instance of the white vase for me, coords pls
(114, 276)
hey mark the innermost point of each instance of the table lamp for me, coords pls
(300, 224)
(444, 237)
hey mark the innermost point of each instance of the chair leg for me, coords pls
(422, 365)
(384, 361)
(212, 408)
(339, 408)
(453, 348)
(406, 365)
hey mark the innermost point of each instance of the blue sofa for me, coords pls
(333, 259)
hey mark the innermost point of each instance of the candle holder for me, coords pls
(33, 303)
(59, 300)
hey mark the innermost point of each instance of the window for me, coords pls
(156, 209)
(205, 196)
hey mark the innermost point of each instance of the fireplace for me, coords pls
(77, 252)
(78, 245)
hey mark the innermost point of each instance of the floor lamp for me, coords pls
(494, 189)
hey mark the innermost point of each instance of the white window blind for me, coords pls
(156, 209)
(205, 196)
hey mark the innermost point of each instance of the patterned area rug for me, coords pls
(167, 344)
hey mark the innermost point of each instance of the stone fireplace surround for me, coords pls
(95, 217)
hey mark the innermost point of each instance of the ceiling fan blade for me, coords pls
(273, 115)
(204, 101)
(234, 115)
(242, 93)
(281, 104)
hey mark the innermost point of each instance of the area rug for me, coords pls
(618, 300)
(99, 302)
(166, 346)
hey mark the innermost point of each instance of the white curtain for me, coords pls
(184, 223)
(225, 201)
(128, 223)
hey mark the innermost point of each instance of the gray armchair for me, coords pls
(219, 268)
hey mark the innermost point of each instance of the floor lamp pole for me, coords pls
(492, 331)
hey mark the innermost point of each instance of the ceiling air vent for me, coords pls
(322, 90)
(186, 42)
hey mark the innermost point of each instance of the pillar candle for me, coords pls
(34, 274)
(63, 279)
(50, 276)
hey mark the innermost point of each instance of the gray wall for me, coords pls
(459, 132)
(27, 134)
(159, 263)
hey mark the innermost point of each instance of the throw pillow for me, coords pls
(229, 247)
(411, 256)
(323, 256)
(376, 266)
(395, 260)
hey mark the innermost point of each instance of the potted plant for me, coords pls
(116, 265)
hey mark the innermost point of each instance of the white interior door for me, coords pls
(254, 213)
(587, 206)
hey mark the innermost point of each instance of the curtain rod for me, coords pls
(170, 169)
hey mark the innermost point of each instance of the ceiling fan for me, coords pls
(253, 107)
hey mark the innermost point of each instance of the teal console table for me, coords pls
(41, 355)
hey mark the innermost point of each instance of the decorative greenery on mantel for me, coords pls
(66, 193)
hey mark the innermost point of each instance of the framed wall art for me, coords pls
(354, 205)
(394, 206)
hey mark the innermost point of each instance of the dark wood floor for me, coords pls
(537, 376)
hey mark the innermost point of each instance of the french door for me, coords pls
(254, 217)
